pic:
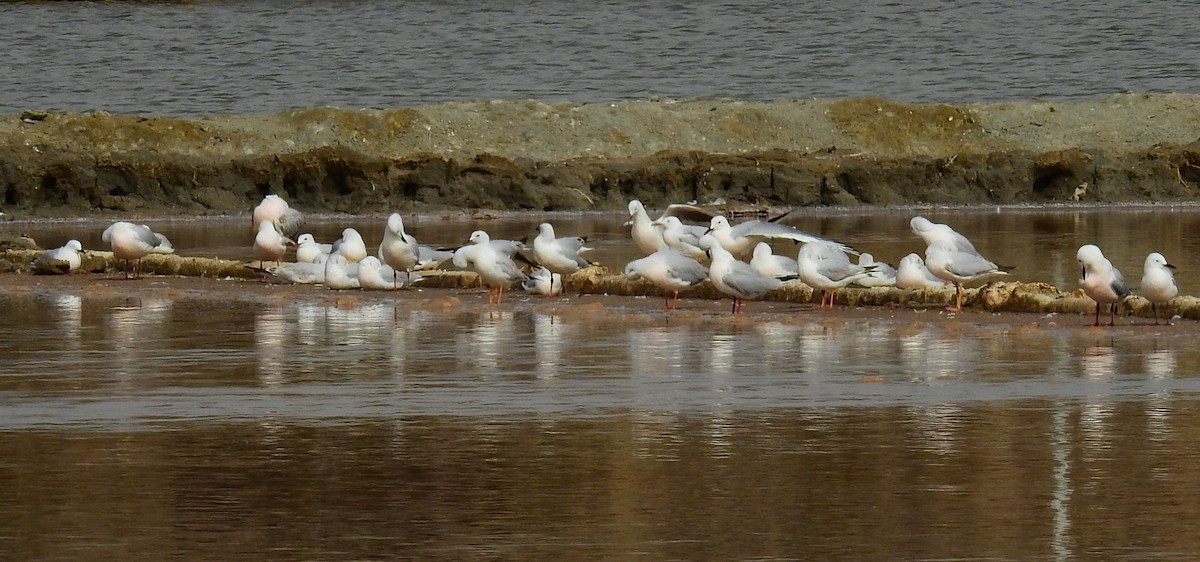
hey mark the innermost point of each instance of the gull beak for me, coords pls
(1169, 265)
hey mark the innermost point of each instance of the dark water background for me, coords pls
(205, 58)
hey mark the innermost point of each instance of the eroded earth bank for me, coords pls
(525, 155)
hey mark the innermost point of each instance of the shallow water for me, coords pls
(206, 58)
(147, 423)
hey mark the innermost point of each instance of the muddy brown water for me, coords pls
(206, 419)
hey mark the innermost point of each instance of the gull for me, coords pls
(300, 273)
(740, 239)
(913, 273)
(1101, 281)
(559, 255)
(493, 261)
(931, 232)
(269, 244)
(543, 282)
(274, 209)
(951, 256)
(403, 254)
(431, 258)
(373, 274)
(337, 274)
(647, 235)
(826, 267)
(733, 277)
(62, 260)
(308, 249)
(133, 241)
(350, 246)
(1158, 283)
(959, 266)
(669, 270)
(880, 274)
(773, 265)
(398, 248)
(682, 237)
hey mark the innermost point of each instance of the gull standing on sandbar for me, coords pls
(669, 270)
(1101, 281)
(133, 242)
(493, 261)
(1158, 284)
(952, 257)
(734, 277)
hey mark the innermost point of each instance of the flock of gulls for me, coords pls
(678, 254)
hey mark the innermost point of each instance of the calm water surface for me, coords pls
(146, 423)
(205, 58)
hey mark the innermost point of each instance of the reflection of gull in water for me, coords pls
(134, 330)
(488, 342)
(68, 310)
(778, 340)
(270, 340)
(939, 425)
(309, 318)
(549, 337)
(721, 350)
(928, 356)
(1160, 365)
(659, 351)
(1099, 362)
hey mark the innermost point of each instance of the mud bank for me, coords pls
(992, 297)
(526, 155)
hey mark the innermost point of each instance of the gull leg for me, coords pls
(1097, 322)
(957, 299)
(675, 305)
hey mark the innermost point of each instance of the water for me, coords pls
(148, 420)
(206, 58)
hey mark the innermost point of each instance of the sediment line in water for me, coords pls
(996, 296)
(527, 155)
